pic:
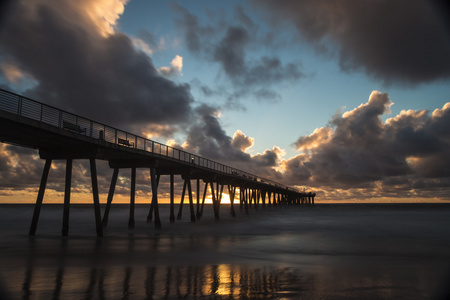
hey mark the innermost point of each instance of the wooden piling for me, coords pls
(40, 197)
(198, 198)
(263, 198)
(132, 197)
(232, 193)
(112, 188)
(213, 193)
(150, 211)
(246, 201)
(98, 218)
(172, 196)
(180, 210)
(191, 201)
(155, 181)
(204, 198)
(65, 226)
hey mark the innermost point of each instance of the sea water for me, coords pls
(340, 251)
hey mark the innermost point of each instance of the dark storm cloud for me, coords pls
(19, 167)
(231, 53)
(401, 41)
(80, 68)
(229, 46)
(207, 138)
(359, 150)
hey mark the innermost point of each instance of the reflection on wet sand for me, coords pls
(169, 282)
(64, 270)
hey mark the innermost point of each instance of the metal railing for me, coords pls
(24, 107)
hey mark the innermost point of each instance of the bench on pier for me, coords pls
(73, 127)
(125, 142)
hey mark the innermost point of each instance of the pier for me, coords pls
(61, 135)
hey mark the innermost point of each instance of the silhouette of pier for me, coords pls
(61, 135)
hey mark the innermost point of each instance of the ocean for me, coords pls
(325, 251)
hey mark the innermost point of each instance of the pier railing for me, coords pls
(24, 107)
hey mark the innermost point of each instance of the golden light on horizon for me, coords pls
(225, 199)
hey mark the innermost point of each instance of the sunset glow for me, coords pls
(321, 106)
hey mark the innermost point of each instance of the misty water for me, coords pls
(347, 251)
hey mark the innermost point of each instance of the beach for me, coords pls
(325, 251)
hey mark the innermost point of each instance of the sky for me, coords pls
(348, 99)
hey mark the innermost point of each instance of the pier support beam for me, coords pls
(191, 201)
(216, 210)
(244, 199)
(180, 210)
(203, 200)
(155, 197)
(40, 197)
(98, 218)
(172, 196)
(132, 197)
(232, 193)
(255, 197)
(198, 198)
(65, 226)
(218, 198)
(150, 211)
(112, 188)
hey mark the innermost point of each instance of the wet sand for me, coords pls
(320, 252)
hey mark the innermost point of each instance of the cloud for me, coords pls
(230, 44)
(231, 53)
(147, 42)
(396, 41)
(207, 138)
(317, 138)
(241, 141)
(12, 73)
(19, 167)
(81, 63)
(360, 151)
(142, 46)
(104, 14)
(176, 66)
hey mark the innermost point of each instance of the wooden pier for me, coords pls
(60, 135)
